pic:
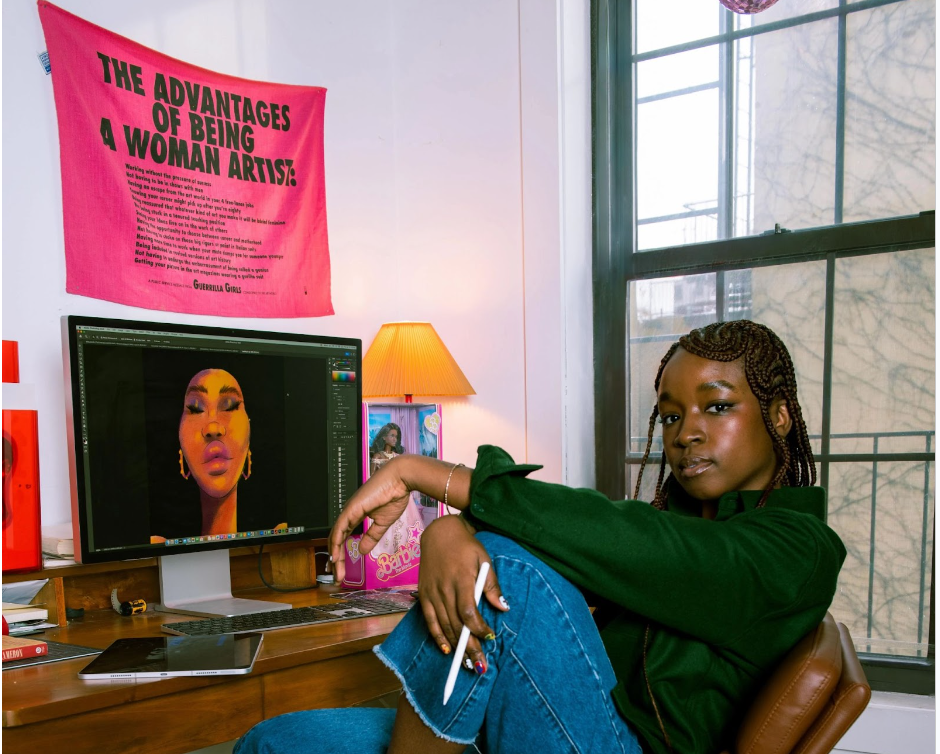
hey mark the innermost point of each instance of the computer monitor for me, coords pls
(186, 441)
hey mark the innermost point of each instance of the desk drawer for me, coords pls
(170, 724)
(340, 682)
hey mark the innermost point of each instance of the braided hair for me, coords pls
(769, 372)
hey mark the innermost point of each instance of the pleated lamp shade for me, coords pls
(409, 358)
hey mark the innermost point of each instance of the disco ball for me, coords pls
(747, 6)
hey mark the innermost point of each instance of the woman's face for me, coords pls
(713, 428)
(214, 431)
(391, 439)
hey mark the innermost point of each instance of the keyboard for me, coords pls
(343, 609)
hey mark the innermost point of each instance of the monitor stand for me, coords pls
(200, 583)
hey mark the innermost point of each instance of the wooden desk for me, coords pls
(46, 708)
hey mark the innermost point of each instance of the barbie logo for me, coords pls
(352, 547)
(432, 422)
(401, 560)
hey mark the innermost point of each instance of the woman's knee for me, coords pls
(504, 551)
(502, 548)
(263, 738)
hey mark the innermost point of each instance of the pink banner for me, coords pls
(182, 189)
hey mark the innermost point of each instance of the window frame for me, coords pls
(617, 262)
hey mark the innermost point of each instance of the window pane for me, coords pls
(884, 343)
(884, 514)
(677, 166)
(883, 381)
(660, 24)
(739, 295)
(785, 128)
(890, 131)
(791, 301)
(693, 228)
(744, 138)
(783, 10)
(680, 71)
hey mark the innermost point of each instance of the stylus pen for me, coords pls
(464, 634)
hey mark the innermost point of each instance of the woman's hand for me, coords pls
(450, 560)
(383, 498)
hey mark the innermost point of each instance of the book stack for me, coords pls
(25, 619)
(57, 541)
(16, 648)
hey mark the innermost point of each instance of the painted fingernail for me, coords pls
(502, 601)
(489, 637)
(467, 664)
(479, 667)
(445, 649)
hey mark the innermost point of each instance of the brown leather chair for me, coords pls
(813, 697)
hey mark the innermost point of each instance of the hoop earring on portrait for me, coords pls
(183, 472)
(247, 473)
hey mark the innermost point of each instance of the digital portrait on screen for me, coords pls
(191, 443)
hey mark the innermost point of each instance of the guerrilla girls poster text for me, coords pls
(183, 189)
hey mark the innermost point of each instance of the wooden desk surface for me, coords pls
(325, 665)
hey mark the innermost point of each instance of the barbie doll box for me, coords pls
(390, 430)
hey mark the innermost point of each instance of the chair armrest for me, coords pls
(795, 695)
(849, 699)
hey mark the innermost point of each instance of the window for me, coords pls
(781, 167)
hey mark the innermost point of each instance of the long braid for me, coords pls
(660, 500)
(770, 375)
(646, 454)
(657, 501)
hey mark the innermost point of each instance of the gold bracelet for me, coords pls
(447, 483)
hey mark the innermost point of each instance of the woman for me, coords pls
(698, 595)
(214, 436)
(386, 446)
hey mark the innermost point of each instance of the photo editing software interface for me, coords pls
(191, 438)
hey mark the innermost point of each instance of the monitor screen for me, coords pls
(190, 438)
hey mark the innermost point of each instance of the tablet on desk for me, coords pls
(168, 656)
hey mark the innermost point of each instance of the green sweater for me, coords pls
(726, 599)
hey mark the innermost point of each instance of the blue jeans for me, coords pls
(546, 688)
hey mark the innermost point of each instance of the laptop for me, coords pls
(169, 656)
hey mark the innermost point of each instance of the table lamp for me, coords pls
(409, 358)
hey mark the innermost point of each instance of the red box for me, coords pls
(22, 533)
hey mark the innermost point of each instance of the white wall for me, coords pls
(451, 157)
